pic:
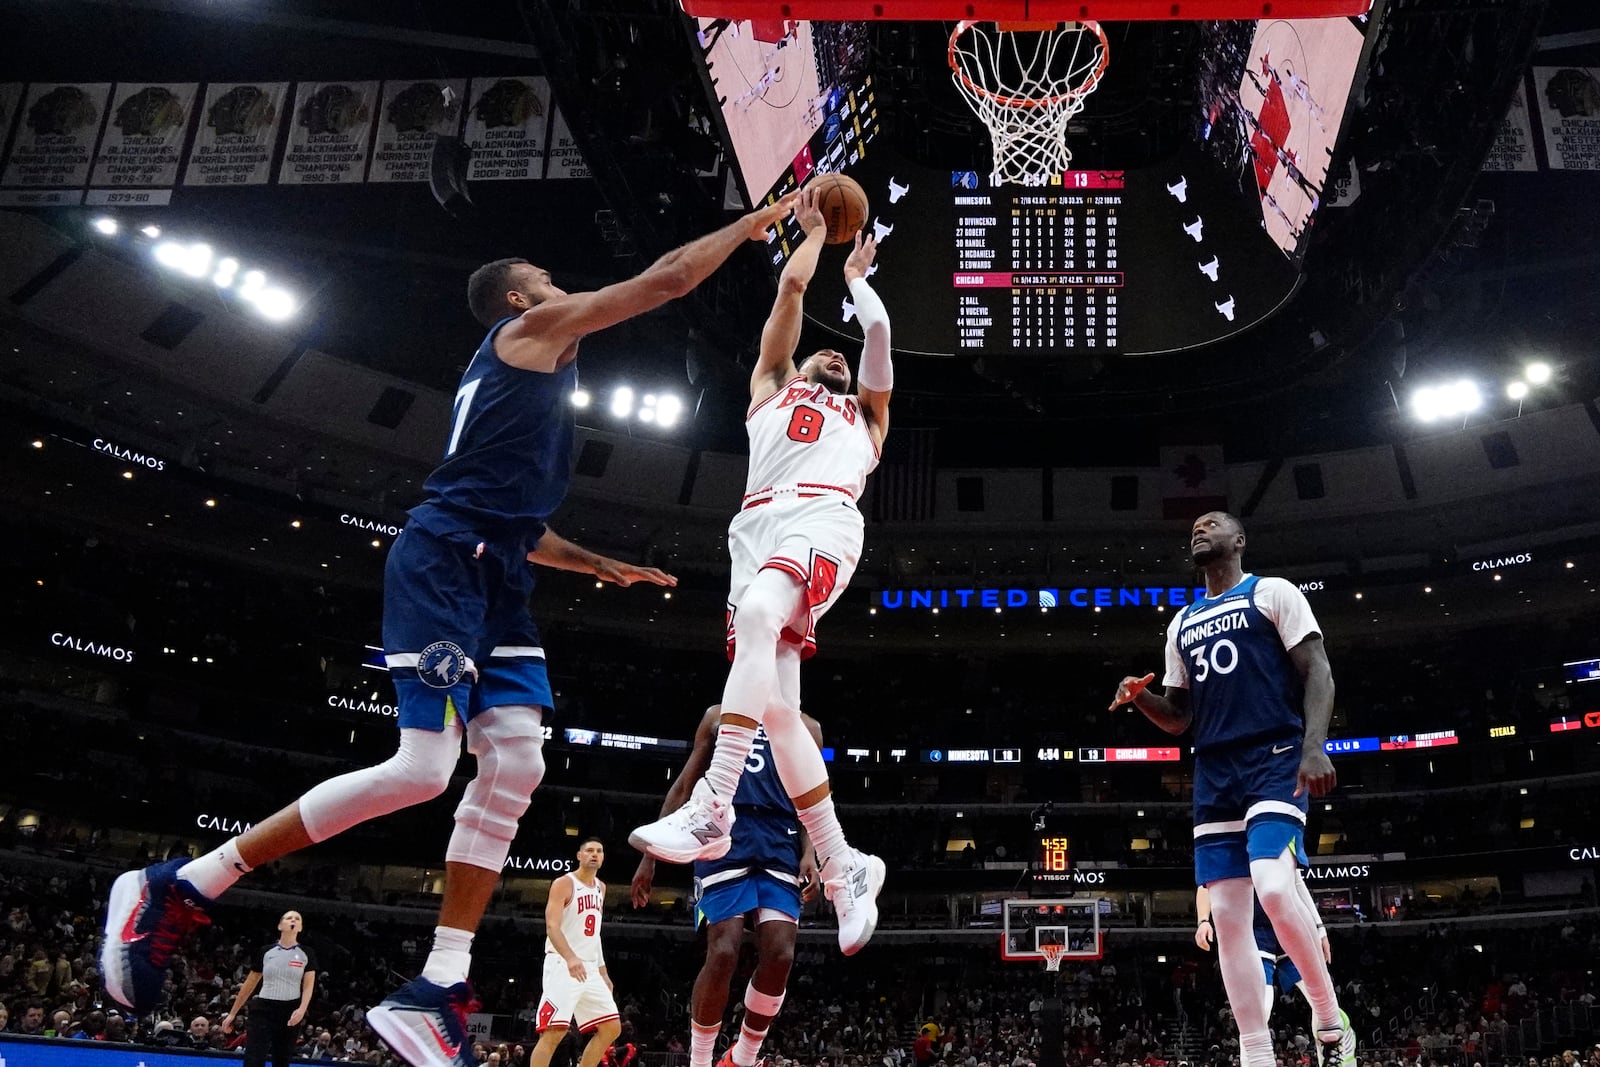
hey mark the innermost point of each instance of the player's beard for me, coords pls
(1204, 555)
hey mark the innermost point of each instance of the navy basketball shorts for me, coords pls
(457, 635)
(1245, 808)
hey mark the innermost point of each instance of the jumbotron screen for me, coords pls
(1141, 261)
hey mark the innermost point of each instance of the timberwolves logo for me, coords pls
(442, 664)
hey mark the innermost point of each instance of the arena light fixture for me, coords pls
(1537, 373)
(580, 398)
(107, 225)
(196, 262)
(622, 401)
(276, 304)
(151, 231)
(1517, 390)
(668, 410)
(1459, 398)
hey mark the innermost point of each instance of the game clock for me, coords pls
(1055, 855)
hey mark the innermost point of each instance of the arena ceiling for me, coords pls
(1436, 271)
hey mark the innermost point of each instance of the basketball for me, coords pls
(843, 204)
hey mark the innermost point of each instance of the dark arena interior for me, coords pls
(1335, 276)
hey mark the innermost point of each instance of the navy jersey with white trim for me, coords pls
(1231, 653)
(508, 460)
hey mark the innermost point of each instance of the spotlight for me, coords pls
(106, 225)
(580, 398)
(647, 414)
(622, 402)
(151, 231)
(1432, 403)
(1517, 390)
(254, 282)
(169, 254)
(275, 304)
(210, 503)
(196, 260)
(1537, 373)
(668, 409)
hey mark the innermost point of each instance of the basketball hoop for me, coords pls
(1052, 956)
(1026, 84)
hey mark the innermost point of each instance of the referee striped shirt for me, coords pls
(283, 969)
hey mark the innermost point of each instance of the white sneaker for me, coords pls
(852, 881)
(700, 830)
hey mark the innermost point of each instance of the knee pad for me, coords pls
(419, 771)
(508, 742)
(767, 1004)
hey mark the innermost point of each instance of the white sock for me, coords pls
(451, 957)
(213, 873)
(748, 1048)
(702, 1043)
(827, 836)
(727, 761)
(1255, 1049)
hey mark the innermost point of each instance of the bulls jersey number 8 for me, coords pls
(805, 425)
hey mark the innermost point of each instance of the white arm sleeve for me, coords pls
(876, 372)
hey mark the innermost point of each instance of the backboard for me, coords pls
(1030, 923)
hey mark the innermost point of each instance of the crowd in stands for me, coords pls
(1434, 996)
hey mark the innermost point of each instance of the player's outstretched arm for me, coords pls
(1310, 658)
(557, 552)
(543, 332)
(781, 334)
(875, 377)
(1170, 710)
(694, 768)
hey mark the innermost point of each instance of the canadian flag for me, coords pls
(1194, 480)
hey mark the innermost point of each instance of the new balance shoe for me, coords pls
(852, 881)
(150, 913)
(426, 1024)
(1338, 1051)
(700, 830)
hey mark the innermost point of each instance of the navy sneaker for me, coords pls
(151, 912)
(426, 1024)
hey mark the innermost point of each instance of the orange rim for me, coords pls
(1005, 100)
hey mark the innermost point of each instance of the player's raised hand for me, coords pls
(625, 574)
(1316, 774)
(643, 877)
(861, 257)
(1129, 688)
(806, 212)
(579, 972)
(761, 220)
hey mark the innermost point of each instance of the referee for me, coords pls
(286, 971)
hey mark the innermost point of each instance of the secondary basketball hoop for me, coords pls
(1053, 954)
(1026, 84)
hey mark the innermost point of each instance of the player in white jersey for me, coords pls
(576, 985)
(795, 543)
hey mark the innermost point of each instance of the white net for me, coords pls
(1026, 85)
(1052, 956)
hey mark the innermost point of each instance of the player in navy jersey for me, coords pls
(764, 877)
(1245, 664)
(461, 646)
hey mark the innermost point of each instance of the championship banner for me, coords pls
(565, 159)
(506, 120)
(1569, 111)
(330, 135)
(413, 115)
(143, 141)
(1513, 145)
(55, 143)
(238, 131)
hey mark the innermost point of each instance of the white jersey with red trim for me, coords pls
(580, 920)
(807, 437)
